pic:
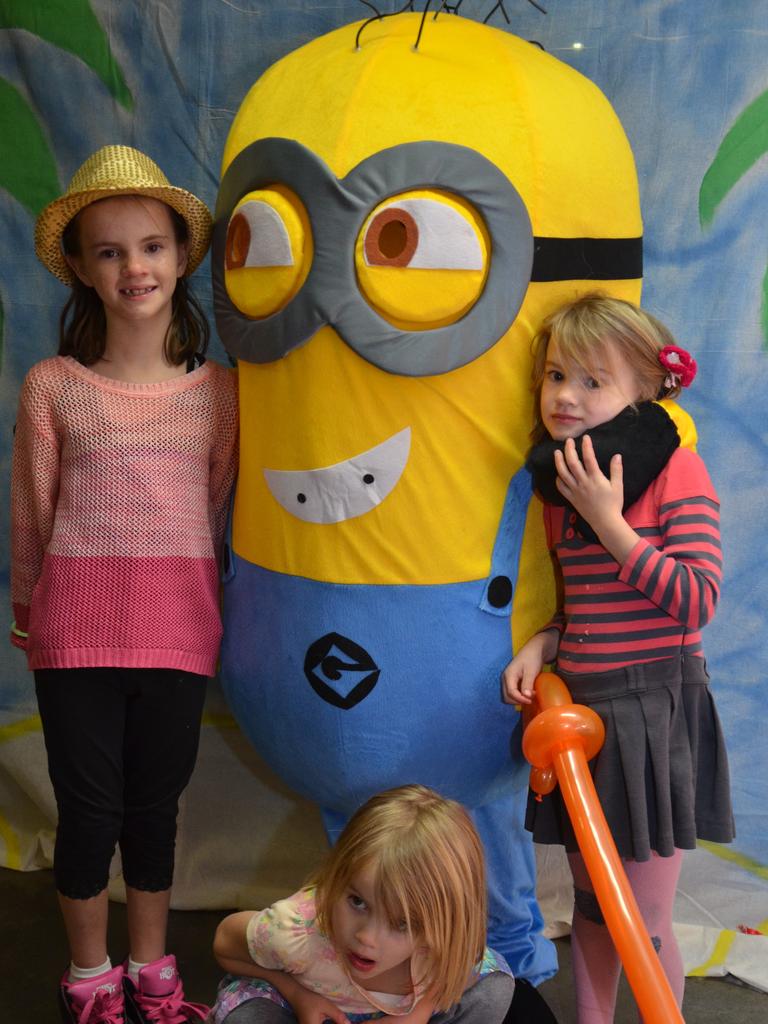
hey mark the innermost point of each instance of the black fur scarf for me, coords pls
(644, 436)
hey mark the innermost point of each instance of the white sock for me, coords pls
(133, 970)
(83, 973)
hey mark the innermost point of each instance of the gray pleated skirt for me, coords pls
(662, 774)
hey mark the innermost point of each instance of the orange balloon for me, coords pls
(561, 735)
(543, 781)
(558, 728)
(551, 691)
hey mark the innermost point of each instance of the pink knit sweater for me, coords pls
(119, 498)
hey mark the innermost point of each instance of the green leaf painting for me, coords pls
(27, 168)
(744, 144)
(27, 165)
(70, 25)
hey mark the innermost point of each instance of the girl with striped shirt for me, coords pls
(632, 522)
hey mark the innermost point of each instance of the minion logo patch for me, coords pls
(340, 671)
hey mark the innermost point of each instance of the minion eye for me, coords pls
(268, 251)
(422, 258)
(422, 233)
(257, 237)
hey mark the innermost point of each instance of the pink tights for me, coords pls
(596, 965)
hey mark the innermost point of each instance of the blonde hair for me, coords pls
(430, 873)
(593, 325)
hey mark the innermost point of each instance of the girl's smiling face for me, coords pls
(375, 952)
(573, 400)
(129, 254)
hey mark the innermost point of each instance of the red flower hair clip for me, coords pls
(680, 366)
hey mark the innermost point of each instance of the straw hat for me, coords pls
(117, 171)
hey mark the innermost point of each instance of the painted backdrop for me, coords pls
(688, 81)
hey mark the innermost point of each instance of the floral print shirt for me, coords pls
(286, 937)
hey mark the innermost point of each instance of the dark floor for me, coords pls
(34, 956)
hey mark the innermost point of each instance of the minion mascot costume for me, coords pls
(394, 221)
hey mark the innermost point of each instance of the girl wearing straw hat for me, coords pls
(124, 456)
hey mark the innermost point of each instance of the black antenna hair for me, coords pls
(448, 8)
(445, 7)
(378, 16)
(500, 7)
(421, 24)
(497, 7)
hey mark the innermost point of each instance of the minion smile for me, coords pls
(346, 489)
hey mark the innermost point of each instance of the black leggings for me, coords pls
(121, 745)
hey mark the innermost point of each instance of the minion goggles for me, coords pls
(329, 292)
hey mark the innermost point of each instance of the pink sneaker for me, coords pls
(159, 997)
(97, 1000)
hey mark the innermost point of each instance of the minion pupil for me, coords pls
(238, 242)
(391, 239)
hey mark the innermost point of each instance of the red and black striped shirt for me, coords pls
(666, 591)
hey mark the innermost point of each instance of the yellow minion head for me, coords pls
(392, 226)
